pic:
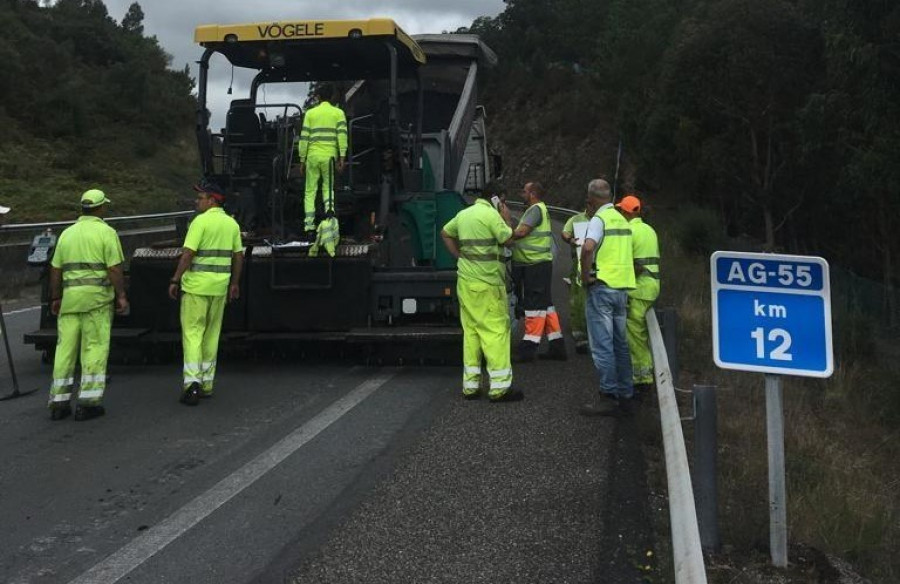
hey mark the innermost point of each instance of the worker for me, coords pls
(645, 249)
(475, 237)
(208, 272)
(576, 290)
(323, 144)
(607, 273)
(86, 286)
(533, 276)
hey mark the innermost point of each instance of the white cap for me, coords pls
(4, 210)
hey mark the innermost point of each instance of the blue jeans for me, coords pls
(606, 313)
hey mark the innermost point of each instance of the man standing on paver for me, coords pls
(86, 282)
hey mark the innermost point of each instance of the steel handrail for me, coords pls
(124, 219)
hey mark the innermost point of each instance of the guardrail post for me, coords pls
(705, 466)
(668, 324)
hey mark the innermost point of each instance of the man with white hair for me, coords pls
(607, 273)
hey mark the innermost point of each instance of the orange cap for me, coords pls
(630, 204)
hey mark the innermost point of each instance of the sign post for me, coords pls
(772, 314)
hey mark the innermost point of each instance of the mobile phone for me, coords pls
(495, 201)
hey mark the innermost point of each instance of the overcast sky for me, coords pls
(173, 23)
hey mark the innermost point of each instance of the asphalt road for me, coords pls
(325, 473)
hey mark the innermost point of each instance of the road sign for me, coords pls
(771, 313)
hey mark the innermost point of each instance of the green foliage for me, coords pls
(699, 231)
(86, 102)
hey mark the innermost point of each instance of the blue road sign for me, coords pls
(771, 313)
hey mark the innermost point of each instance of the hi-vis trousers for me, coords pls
(201, 323)
(639, 340)
(84, 335)
(484, 315)
(317, 168)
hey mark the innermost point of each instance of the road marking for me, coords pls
(151, 542)
(21, 310)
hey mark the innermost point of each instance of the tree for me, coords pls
(134, 19)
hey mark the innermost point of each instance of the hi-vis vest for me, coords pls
(84, 253)
(479, 250)
(614, 257)
(324, 132)
(536, 247)
(645, 247)
(215, 238)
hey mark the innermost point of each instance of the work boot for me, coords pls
(471, 396)
(582, 347)
(60, 412)
(84, 413)
(191, 395)
(526, 353)
(511, 395)
(556, 352)
(607, 405)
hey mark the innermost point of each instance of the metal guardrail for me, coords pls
(16, 227)
(686, 548)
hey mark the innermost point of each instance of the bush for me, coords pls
(699, 232)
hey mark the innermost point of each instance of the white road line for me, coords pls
(21, 310)
(151, 542)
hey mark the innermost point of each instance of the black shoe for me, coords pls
(511, 395)
(472, 396)
(582, 347)
(191, 395)
(84, 413)
(527, 353)
(606, 408)
(60, 412)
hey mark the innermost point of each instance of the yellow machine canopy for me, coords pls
(315, 50)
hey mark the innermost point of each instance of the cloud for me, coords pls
(172, 22)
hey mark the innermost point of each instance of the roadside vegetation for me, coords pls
(86, 101)
(755, 125)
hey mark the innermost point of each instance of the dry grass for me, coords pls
(842, 449)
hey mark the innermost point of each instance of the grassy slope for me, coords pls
(42, 180)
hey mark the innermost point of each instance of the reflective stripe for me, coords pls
(646, 261)
(532, 338)
(535, 313)
(63, 382)
(208, 365)
(323, 130)
(478, 257)
(93, 379)
(341, 124)
(60, 397)
(195, 267)
(471, 385)
(616, 232)
(551, 310)
(501, 384)
(321, 139)
(500, 372)
(478, 242)
(103, 282)
(528, 247)
(192, 379)
(90, 393)
(554, 336)
(213, 253)
(540, 234)
(649, 274)
(473, 370)
(83, 266)
(191, 367)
